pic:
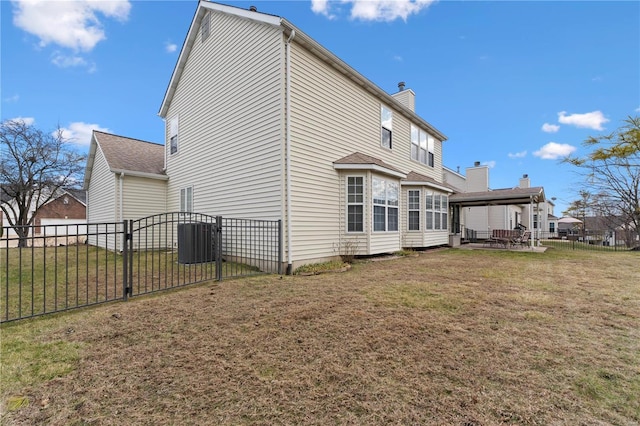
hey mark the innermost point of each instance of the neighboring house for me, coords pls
(477, 209)
(124, 179)
(262, 122)
(608, 230)
(64, 211)
(63, 215)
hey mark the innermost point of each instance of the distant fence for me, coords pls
(91, 263)
(597, 240)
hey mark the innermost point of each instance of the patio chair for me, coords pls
(522, 240)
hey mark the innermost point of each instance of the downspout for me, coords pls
(121, 208)
(288, 149)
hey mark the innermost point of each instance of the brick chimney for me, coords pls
(525, 182)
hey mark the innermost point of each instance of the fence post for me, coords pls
(125, 261)
(217, 248)
(279, 246)
(130, 244)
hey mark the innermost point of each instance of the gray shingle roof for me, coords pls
(129, 154)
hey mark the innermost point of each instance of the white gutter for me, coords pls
(288, 149)
(140, 174)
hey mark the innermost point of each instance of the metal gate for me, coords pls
(72, 266)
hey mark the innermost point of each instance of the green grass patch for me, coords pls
(318, 268)
(26, 360)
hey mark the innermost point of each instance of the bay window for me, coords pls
(385, 205)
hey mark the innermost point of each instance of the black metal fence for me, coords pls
(62, 267)
(596, 240)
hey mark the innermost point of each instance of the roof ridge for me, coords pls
(127, 137)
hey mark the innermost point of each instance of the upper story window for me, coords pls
(173, 135)
(422, 146)
(205, 27)
(385, 205)
(386, 125)
(355, 204)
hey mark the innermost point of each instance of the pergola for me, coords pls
(501, 197)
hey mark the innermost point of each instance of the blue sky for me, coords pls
(514, 85)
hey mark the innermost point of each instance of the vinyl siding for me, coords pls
(498, 217)
(229, 104)
(332, 117)
(101, 195)
(143, 197)
(101, 203)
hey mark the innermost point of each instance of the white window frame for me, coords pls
(186, 199)
(173, 135)
(437, 211)
(422, 146)
(354, 202)
(386, 125)
(385, 200)
(429, 212)
(413, 207)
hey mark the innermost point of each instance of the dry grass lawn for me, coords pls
(447, 337)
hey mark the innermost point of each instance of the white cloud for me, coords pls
(638, 109)
(590, 120)
(321, 7)
(490, 164)
(398, 58)
(520, 154)
(27, 120)
(170, 47)
(373, 10)
(66, 61)
(550, 128)
(79, 133)
(71, 24)
(553, 151)
(12, 99)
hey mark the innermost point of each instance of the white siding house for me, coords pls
(124, 179)
(263, 122)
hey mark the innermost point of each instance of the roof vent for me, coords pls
(401, 86)
(525, 176)
(253, 8)
(476, 164)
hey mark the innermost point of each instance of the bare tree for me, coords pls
(612, 172)
(34, 167)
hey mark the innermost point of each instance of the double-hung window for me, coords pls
(437, 207)
(186, 199)
(355, 204)
(413, 209)
(428, 197)
(386, 125)
(385, 205)
(422, 146)
(173, 135)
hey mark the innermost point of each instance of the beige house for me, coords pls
(262, 122)
(124, 179)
